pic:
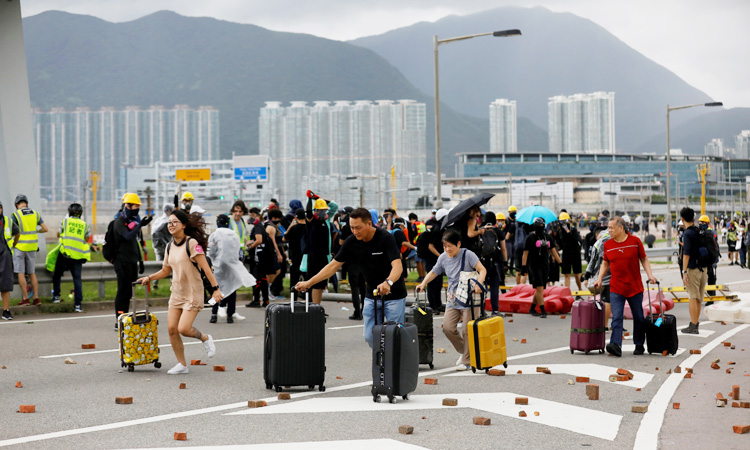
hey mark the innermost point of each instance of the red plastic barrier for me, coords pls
(655, 308)
(557, 299)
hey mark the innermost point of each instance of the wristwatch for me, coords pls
(390, 283)
(214, 289)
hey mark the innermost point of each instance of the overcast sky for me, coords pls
(704, 42)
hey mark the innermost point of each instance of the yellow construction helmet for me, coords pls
(500, 216)
(187, 196)
(564, 216)
(704, 218)
(512, 208)
(320, 204)
(131, 198)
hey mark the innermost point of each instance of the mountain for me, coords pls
(167, 59)
(558, 54)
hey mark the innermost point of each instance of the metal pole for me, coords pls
(439, 199)
(669, 189)
(510, 188)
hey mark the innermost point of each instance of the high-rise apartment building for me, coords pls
(341, 138)
(715, 147)
(503, 126)
(70, 144)
(582, 123)
(742, 144)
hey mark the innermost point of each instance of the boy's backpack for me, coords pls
(109, 249)
(708, 249)
(488, 245)
(423, 245)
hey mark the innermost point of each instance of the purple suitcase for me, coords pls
(587, 326)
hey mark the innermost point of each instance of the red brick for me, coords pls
(195, 362)
(180, 436)
(536, 413)
(669, 371)
(3, 367)
(657, 368)
(521, 413)
(729, 370)
(622, 378)
(481, 421)
(735, 405)
(523, 341)
(731, 363)
(27, 408)
(19, 384)
(664, 353)
(339, 378)
(695, 352)
(510, 320)
(183, 386)
(88, 346)
(689, 370)
(123, 400)
(675, 406)
(256, 404)
(723, 323)
(727, 344)
(688, 375)
(406, 429)
(541, 369)
(563, 316)
(450, 402)
(522, 400)
(547, 372)
(582, 379)
(736, 392)
(744, 404)
(284, 396)
(741, 429)
(240, 369)
(592, 391)
(519, 372)
(430, 381)
(219, 368)
(496, 372)
(715, 366)
(508, 314)
(678, 369)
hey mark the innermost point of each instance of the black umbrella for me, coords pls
(460, 210)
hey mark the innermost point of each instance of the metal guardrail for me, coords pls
(662, 252)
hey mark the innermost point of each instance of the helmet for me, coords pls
(320, 204)
(441, 213)
(20, 198)
(564, 216)
(398, 221)
(75, 210)
(131, 198)
(512, 208)
(187, 196)
(704, 218)
(500, 216)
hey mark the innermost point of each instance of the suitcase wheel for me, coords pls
(601, 350)
(505, 364)
(157, 364)
(487, 371)
(405, 397)
(269, 386)
(376, 399)
(586, 352)
(391, 399)
(278, 389)
(311, 386)
(432, 366)
(572, 351)
(322, 388)
(473, 370)
(131, 368)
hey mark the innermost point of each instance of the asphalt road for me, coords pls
(75, 403)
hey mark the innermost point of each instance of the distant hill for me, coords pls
(558, 54)
(167, 59)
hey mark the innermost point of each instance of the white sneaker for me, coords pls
(179, 369)
(463, 367)
(210, 347)
(223, 312)
(236, 316)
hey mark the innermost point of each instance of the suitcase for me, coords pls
(486, 338)
(395, 359)
(661, 330)
(294, 345)
(587, 327)
(421, 316)
(139, 336)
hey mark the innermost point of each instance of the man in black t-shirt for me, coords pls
(376, 251)
(353, 271)
(537, 249)
(293, 238)
(260, 255)
(570, 242)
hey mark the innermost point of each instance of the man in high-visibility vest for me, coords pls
(6, 264)
(25, 226)
(74, 236)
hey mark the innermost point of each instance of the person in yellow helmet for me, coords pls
(319, 240)
(186, 202)
(25, 226)
(570, 242)
(513, 248)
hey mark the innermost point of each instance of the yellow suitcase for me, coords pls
(486, 341)
(139, 337)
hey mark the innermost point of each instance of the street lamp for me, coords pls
(436, 43)
(669, 170)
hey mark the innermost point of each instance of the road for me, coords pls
(75, 403)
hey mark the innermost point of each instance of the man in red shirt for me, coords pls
(622, 254)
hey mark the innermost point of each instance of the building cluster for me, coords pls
(741, 148)
(71, 144)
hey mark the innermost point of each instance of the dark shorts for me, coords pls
(571, 264)
(313, 267)
(731, 246)
(518, 257)
(6, 270)
(538, 278)
(267, 264)
(604, 296)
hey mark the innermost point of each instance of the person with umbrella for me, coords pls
(537, 250)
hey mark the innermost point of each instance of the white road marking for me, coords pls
(630, 347)
(586, 421)
(648, 432)
(347, 327)
(593, 371)
(116, 350)
(359, 444)
(18, 321)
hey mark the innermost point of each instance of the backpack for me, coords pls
(488, 245)
(206, 283)
(423, 245)
(708, 249)
(109, 249)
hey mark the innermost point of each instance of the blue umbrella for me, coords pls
(527, 215)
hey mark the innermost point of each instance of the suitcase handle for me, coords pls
(296, 294)
(648, 293)
(146, 316)
(416, 298)
(471, 297)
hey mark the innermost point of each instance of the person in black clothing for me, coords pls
(128, 261)
(402, 242)
(293, 238)
(468, 227)
(319, 239)
(353, 269)
(536, 251)
(294, 205)
(570, 242)
(430, 223)
(261, 257)
(375, 249)
(435, 287)
(493, 261)
(278, 258)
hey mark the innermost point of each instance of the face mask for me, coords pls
(276, 222)
(132, 213)
(512, 215)
(539, 229)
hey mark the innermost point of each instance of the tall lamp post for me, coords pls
(669, 169)
(436, 44)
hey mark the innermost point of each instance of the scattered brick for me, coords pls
(123, 400)
(450, 402)
(88, 346)
(721, 402)
(339, 378)
(675, 406)
(522, 400)
(523, 341)
(406, 429)
(508, 314)
(678, 369)
(637, 389)
(541, 369)
(582, 379)
(441, 350)
(592, 391)
(716, 360)
(715, 366)
(26, 409)
(729, 370)
(496, 372)
(521, 413)
(195, 362)
(19, 384)
(741, 429)
(664, 353)
(202, 364)
(612, 378)
(547, 372)
(536, 413)
(622, 378)
(3, 367)
(730, 394)
(735, 405)
(514, 339)
(688, 375)
(481, 421)
(727, 344)
(736, 392)
(627, 334)
(430, 381)
(219, 368)
(519, 372)
(744, 404)
(731, 363)
(639, 409)
(657, 368)
(669, 371)
(256, 404)
(183, 386)
(180, 436)
(723, 323)
(695, 352)
(284, 396)
(510, 320)
(562, 317)
(240, 369)
(689, 370)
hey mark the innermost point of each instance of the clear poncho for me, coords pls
(230, 273)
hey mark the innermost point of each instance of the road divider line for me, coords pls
(65, 355)
(18, 321)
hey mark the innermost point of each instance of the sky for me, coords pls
(703, 42)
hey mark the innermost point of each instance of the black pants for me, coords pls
(357, 284)
(278, 283)
(127, 273)
(230, 301)
(434, 289)
(294, 274)
(711, 278)
(74, 266)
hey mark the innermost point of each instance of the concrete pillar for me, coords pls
(18, 162)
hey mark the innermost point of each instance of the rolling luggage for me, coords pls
(395, 358)
(486, 338)
(139, 336)
(421, 316)
(587, 326)
(661, 330)
(294, 345)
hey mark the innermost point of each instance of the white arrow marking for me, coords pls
(593, 371)
(586, 421)
(359, 444)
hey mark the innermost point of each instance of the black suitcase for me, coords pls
(395, 359)
(661, 329)
(294, 345)
(421, 316)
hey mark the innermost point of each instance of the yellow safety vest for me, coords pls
(73, 239)
(7, 233)
(241, 232)
(27, 223)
